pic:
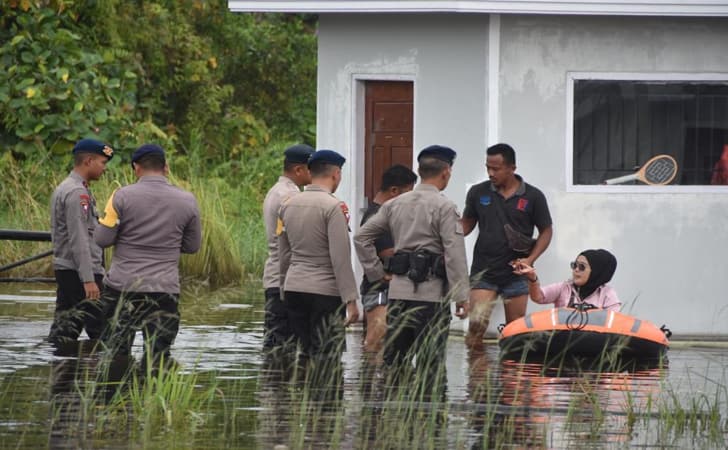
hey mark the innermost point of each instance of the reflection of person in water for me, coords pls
(299, 401)
(493, 420)
(274, 396)
(77, 378)
(373, 388)
(562, 401)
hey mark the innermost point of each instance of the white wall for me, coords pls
(446, 58)
(432, 50)
(670, 247)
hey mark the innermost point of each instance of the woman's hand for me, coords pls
(521, 267)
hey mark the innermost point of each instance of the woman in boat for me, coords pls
(591, 272)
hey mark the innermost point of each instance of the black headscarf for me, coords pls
(603, 264)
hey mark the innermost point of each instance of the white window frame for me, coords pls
(572, 77)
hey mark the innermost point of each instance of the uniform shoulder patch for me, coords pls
(85, 200)
(345, 210)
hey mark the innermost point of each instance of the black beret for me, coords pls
(146, 149)
(438, 152)
(93, 146)
(298, 154)
(328, 157)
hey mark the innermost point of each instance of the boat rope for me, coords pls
(664, 329)
(579, 316)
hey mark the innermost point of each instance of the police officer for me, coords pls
(295, 176)
(77, 260)
(428, 266)
(315, 260)
(396, 180)
(149, 223)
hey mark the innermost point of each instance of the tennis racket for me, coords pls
(660, 170)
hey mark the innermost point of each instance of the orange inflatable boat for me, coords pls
(583, 332)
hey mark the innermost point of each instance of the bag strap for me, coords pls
(499, 209)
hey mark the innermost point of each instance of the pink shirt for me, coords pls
(560, 293)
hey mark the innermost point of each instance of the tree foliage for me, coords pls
(170, 71)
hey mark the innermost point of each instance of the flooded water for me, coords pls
(240, 399)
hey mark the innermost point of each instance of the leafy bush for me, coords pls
(167, 71)
(53, 90)
(222, 92)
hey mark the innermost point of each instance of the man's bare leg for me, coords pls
(515, 307)
(376, 328)
(481, 306)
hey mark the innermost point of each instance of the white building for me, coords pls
(583, 90)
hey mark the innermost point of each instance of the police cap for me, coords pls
(327, 157)
(298, 154)
(438, 152)
(146, 149)
(93, 146)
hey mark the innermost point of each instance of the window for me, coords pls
(620, 124)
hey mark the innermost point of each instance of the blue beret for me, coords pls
(298, 154)
(328, 157)
(93, 146)
(438, 152)
(146, 149)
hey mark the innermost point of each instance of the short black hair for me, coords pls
(431, 167)
(288, 166)
(79, 157)
(151, 161)
(505, 150)
(321, 168)
(397, 176)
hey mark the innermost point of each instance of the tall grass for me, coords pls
(311, 406)
(230, 196)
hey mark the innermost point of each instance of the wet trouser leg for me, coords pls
(419, 330)
(160, 323)
(156, 314)
(73, 311)
(317, 322)
(276, 328)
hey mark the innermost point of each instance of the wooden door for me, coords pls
(388, 130)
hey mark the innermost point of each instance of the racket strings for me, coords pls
(660, 171)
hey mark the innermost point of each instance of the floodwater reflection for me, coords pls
(80, 382)
(235, 396)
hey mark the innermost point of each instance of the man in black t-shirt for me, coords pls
(504, 199)
(396, 180)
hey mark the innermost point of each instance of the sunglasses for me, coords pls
(578, 266)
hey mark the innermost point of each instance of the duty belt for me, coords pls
(418, 265)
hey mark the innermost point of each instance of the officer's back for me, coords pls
(150, 223)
